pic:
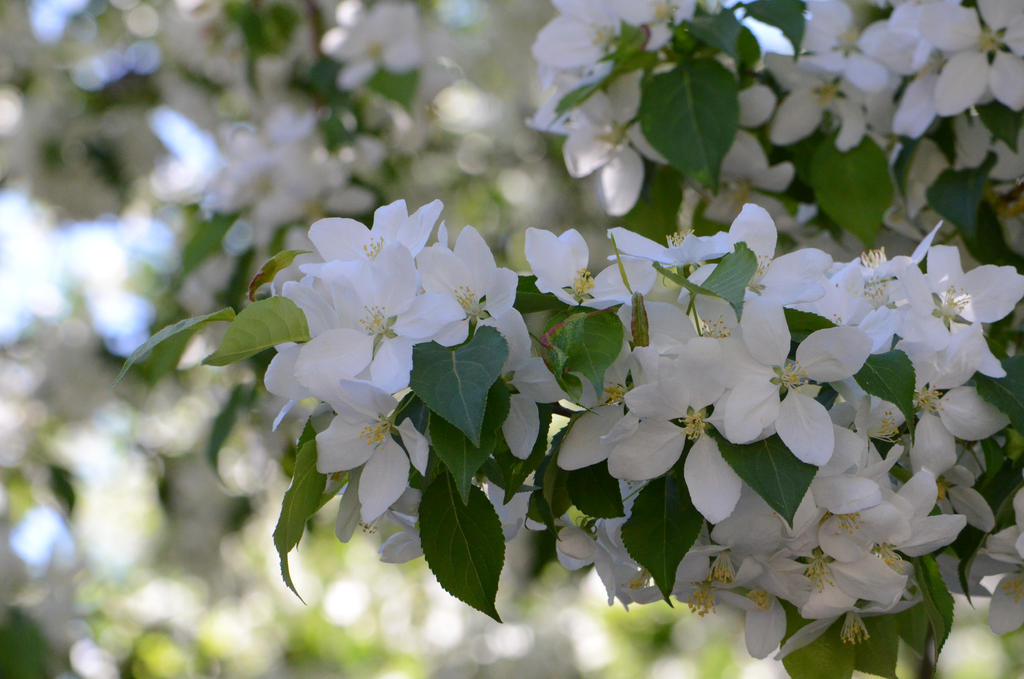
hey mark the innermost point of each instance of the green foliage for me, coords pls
(827, 651)
(399, 87)
(691, 115)
(938, 602)
(803, 323)
(514, 471)
(23, 648)
(661, 530)
(595, 493)
(271, 268)
(956, 195)
(586, 343)
(639, 325)
(259, 326)
(719, 30)
(1003, 122)
(457, 452)
(772, 471)
(1006, 393)
(728, 281)
(530, 300)
(852, 188)
(204, 239)
(879, 652)
(454, 382)
(890, 377)
(627, 54)
(180, 330)
(463, 543)
(240, 400)
(786, 15)
(656, 213)
(302, 499)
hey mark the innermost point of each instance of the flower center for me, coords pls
(853, 631)
(818, 570)
(582, 284)
(376, 323)
(927, 400)
(613, 394)
(790, 376)
(376, 432)
(886, 429)
(676, 239)
(722, 570)
(468, 300)
(664, 11)
(873, 259)
(888, 554)
(826, 93)
(950, 303)
(373, 248)
(694, 425)
(1013, 586)
(761, 599)
(849, 522)
(702, 601)
(989, 40)
(716, 328)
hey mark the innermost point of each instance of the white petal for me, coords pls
(933, 532)
(402, 547)
(1006, 613)
(620, 182)
(755, 227)
(522, 425)
(934, 448)
(648, 453)
(845, 494)
(585, 151)
(916, 110)
(971, 504)
(764, 630)
(348, 509)
(756, 105)
(385, 477)
(750, 407)
(340, 447)
(1006, 78)
(765, 333)
(994, 292)
(331, 357)
(968, 417)
(961, 83)
(806, 429)
(392, 365)
(713, 485)
(416, 444)
(949, 27)
(582, 446)
(869, 579)
(796, 118)
(280, 376)
(833, 354)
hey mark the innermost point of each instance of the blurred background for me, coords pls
(152, 154)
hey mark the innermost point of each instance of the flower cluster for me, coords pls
(924, 80)
(722, 357)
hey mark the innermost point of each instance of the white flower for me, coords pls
(387, 35)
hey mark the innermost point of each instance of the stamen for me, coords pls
(818, 570)
(377, 432)
(582, 284)
(373, 248)
(695, 424)
(613, 394)
(722, 570)
(888, 554)
(1013, 586)
(853, 631)
(702, 601)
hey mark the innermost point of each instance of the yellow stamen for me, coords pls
(888, 554)
(927, 400)
(613, 394)
(853, 631)
(377, 431)
(761, 599)
(373, 248)
(1013, 586)
(582, 284)
(702, 601)
(722, 570)
(818, 570)
(695, 423)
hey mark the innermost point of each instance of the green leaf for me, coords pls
(458, 453)
(242, 397)
(595, 493)
(261, 325)
(555, 484)
(890, 377)
(986, 242)
(853, 188)
(912, 625)
(577, 96)
(586, 343)
(189, 326)
(878, 653)
(514, 471)
(463, 543)
(271, 268)
(719, 30)
(454, 382)
(301, 501)
(691, 115)
(23, 648)
(1006, 393)
(803, 323)
(728, 281)
(639, 324)
(938, 602)
(772, 471)
(661, 530)
(825, 656)
(786, 15)
(748, 48)
(205, 240)
(956, 194)
(656, 213)
(1002, 121)
(530, 300)
(398, 87)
